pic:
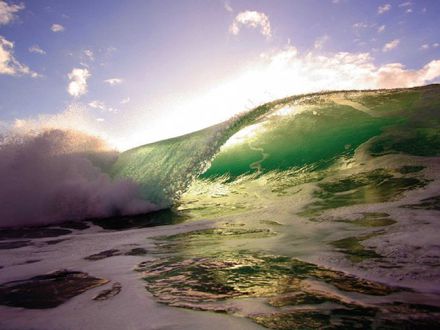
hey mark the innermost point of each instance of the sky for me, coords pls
(139, 71)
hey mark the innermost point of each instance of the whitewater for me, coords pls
(312, 211)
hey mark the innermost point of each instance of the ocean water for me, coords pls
(318, 211)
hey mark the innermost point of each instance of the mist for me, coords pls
(56, 175)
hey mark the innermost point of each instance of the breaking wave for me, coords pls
(58, 175)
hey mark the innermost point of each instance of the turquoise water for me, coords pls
(310, 132)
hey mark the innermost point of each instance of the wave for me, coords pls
(311, 131)
(59, 175)
(165, 169)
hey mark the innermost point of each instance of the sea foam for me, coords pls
(57, 175)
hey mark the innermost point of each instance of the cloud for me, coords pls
(100, 105)
(311, 72)
(251, 19)
(405, 4)
(113, 81)
(78, 82)
(125, 101)
(7, 12)
(359, 27)
(57, 28)
(396, 75)
(319, 43)
(428, 46)
(37, 50)
(97, 105)
(9, 65)
(228, 7)
(89, 54)
(391, 45)
(381, 28)
(383, 9)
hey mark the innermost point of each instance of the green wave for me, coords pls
(312, 131)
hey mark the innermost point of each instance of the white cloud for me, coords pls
(408, 11)
(89, 54)
(428, 46)
(360, 25)
(7, 12)
(405, 4)
(57, 28)
(125, 101)
(274, 75)
(396, 75)
(78, 82)
(319, 43)
(391, 45)
(100, 105)
(251, 19)
(37, 49)
(113, 81)
(97, 105)
(311, 72)
(9, 65)
(383, 9)
(381, 28)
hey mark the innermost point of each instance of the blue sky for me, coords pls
(138, 71)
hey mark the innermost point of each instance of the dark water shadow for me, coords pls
(48, 290)
(153, 219)
(32, 232)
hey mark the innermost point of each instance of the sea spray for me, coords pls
(57, 175)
